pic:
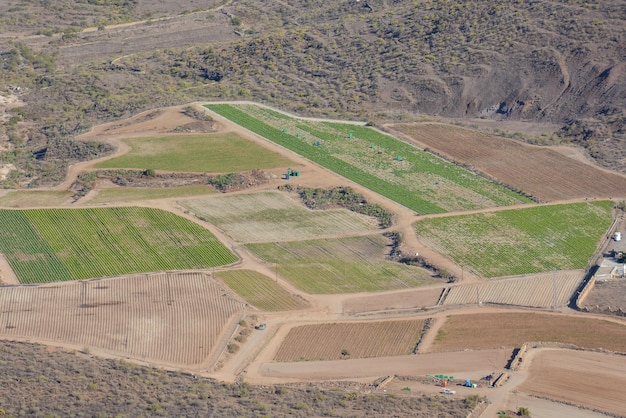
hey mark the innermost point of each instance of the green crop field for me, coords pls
(346, 265)
(210, 153)
(261, 291)
(521, 241)
(34, 198)
(274, 216)
(404, 173)
(133, 194)
(45, 245)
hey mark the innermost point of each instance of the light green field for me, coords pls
(346, 265)
(208, 153)
(133, 194)
(402, 172)
(274, 216)
(34, 198)
(521, 241)
(47, 245)
(261, 291)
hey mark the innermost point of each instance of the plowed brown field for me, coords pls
(485, 331)
(354, 340)
(538, 171)
(592, 380)
(176, 318)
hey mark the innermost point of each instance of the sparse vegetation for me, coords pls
(521, 241)
(344, 265)
(261, 291)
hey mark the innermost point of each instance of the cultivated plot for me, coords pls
(35, 198)
(344, 265)
(176, 318)
(397, 170)
(135, 194)
(486, 331)
(538, 171)
(210, 153)
(44, 245)
(520, 241)
(350, 340)
(274, 216)
(591, 380)
(261, 291)
(545, 290)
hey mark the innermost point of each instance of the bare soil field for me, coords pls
(607, 295)
(275, 216)
(392, 301)
(171, 318)
(591, 380)
(350, 340)
(544, 290)
(485, 331)
(473, 362)
(546, 174)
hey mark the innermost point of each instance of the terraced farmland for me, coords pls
(211, 153)
(274, 216)
(350, 340)
(541, 290)
(346, 265)
(414, 178)
(44, 245)
(521, 241)
(261, 291)
(176, 318)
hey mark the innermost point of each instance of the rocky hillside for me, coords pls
(558, 62)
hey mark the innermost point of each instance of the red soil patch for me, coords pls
(538, 171)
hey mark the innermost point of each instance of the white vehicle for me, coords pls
(261, 326)
(448, 392)
(617, 236)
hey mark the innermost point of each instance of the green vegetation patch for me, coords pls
(129, 194)
(34, 198)
(274, 216)
(212, 153)
(261, 291)
(45, 245)
(28, 253)
(404, 173)
(346, 265)
(521, 241)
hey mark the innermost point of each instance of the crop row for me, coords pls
(261, 291)
(346, 265)
(417, 180)
(542, 291)
(29, 255)
(176, 318)
(273, 216)
(45, 245)
(350, 340)
(520, 241)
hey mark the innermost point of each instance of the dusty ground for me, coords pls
(7, 276)
(253, 362)
(593, 380)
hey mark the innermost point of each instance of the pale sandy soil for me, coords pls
(469, 364)
(7, 276)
